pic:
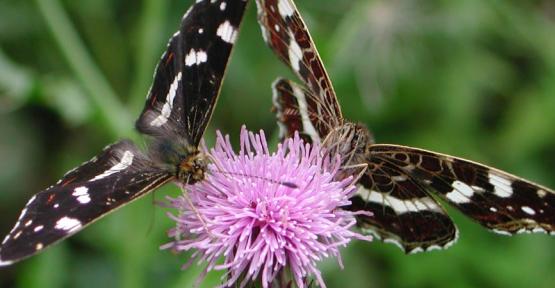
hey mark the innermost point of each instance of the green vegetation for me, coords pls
(469, 78)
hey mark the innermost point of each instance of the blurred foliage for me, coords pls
(471, 78)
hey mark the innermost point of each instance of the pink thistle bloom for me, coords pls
(263, 213)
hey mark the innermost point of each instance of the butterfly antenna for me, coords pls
(273, 181)
(194, 209)
(153, 216)
(221, 171)
(362, 168)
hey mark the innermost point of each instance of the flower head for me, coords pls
(265, 213)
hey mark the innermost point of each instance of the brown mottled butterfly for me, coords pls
(400, 183)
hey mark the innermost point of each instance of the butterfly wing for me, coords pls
(499, 201)
(314, 112)
(403, 212)
(291, 103)
(188, 78)
(285, 32)
(115, 177)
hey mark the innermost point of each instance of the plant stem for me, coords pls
(148, 49)
(112, 112)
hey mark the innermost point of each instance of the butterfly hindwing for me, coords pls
(403, 212)
(188, 78)
(499, 201)
(286, 34)
(115, 177)
(291, 104)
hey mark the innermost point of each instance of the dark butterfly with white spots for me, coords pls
(178, 108)
(400, 183)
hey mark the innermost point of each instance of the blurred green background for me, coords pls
(472, 78)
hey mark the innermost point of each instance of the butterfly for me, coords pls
(400, 185)
(178, 108)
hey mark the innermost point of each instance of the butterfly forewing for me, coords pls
(188, 78)
(113, 178)
(286, 34)
(498, 200)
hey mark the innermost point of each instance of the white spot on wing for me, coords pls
(17, 235)
(38, 228)
(295, 54)
(223, 5)
(167, 108)
(433, 247)
(194, 57)
(394, 242)
(501, 232)
(68, 224)
(39, 246)
(461, 193)
(528, 210)
(303, 109)
(21, 216)
(285, 9)
(82, 194)
(539, 230)
(126, 161)
(502, 186)
(5, 263)
(416, 250)
(227, 32)
(398, 205)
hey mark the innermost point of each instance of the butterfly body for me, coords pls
(350, 140)
(192, 168)
(181, 159)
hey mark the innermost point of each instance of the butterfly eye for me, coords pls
(199, 164)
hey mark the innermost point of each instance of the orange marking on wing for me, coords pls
(68, 181)
(50, 198)
(170, 58)
(153, 100)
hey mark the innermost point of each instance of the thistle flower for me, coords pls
(265, 214)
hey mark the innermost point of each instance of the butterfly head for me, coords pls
(349, 139)
(192, 168)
